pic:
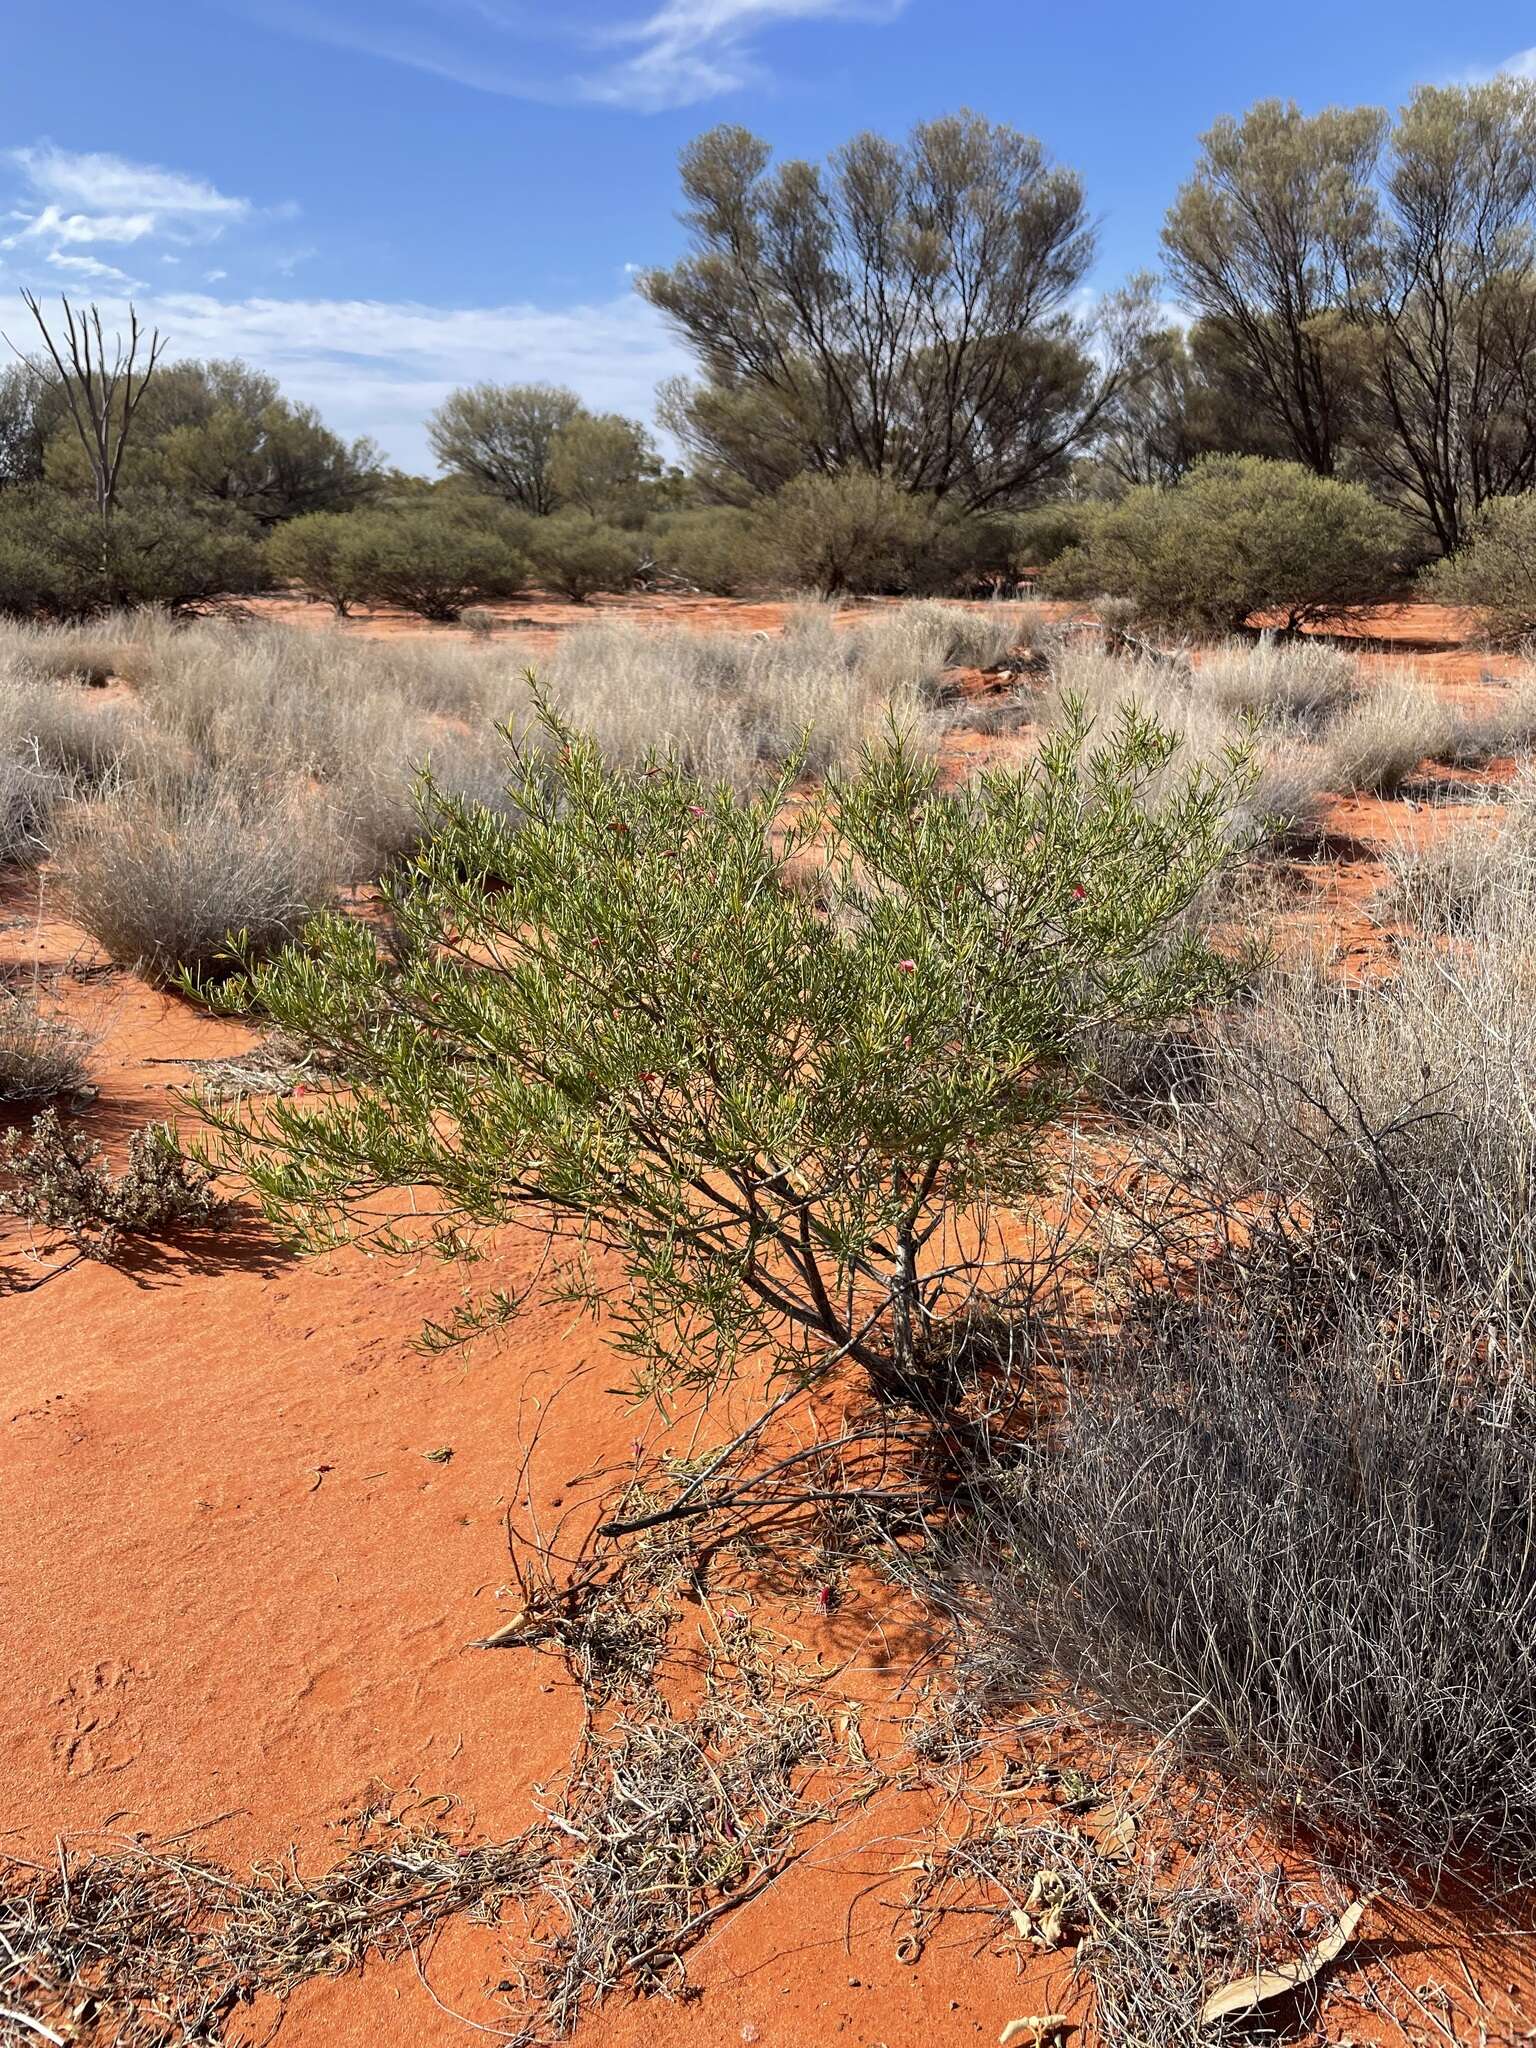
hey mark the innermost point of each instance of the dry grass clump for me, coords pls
(157, 1947)
(1282, 809)
(942, 635)
(1273, 682)
(1456, 883)
(30, 793)
(55, 742)
(161, 870)
(1151, 1945)
(1386, 734)
(736, 705)
(1313, 1562)
(44, 652)
(65, 728)
(1482, 733)
(230, 710)
(1400, 1120)
(41, 1055)
(679, 1821)
(1469, 879)
(1286, 1509)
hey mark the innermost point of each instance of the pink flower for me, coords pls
(906, 967)
(826, 1599)
(695, 810)
(1079, 891)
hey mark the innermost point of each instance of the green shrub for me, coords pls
(1044, 533)
(848, 534)
(579, 556)
(1494, 573)
(715, 550)
(317, 554)
(433, 558)
(965, 553)
(780, 1109)
(54, 562)
(1239, 535)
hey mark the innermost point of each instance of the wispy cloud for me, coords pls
(379, 367)
(80, 197)
(372, 366)
(1521, 65)
(89, 268)
(681, 52)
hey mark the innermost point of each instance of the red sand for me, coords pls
(239, 1593)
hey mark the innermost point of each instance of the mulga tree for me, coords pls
(760, 1070)
(1449, 305)
(1264, 244)
(501, 438)
(905, 310)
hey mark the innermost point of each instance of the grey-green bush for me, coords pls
(1238, 536)
(578, 556)
(1494, 572)
(159, 550)
(434, 557)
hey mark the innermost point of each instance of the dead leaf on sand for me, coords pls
(1244, 1994)
(1036, 2027)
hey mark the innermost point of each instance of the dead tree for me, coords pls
(103, 393)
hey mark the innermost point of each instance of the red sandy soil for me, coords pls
(239, 1595)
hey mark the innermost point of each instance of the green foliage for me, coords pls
(1044, 533)
(966, 552)
(600, 463)
(752, 1116)
(221, 433)
(1494, 572)
(579, 556)
(716, 550)
(433, 557)
(500, 438)
(315, 552)
(56, 563)
(1239, 535)
(851, 533)
(1264, 242)
(903, 309)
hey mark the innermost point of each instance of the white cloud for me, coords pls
(54, 225)
(1521, 65)
(378, 367)
(371, 366)
(72, 197)
(693, 49)
(88, 267)
(95, 181)
(681, 52)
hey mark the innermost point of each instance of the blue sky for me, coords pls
(378, 199)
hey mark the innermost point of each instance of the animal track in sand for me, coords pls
(93, 1736)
